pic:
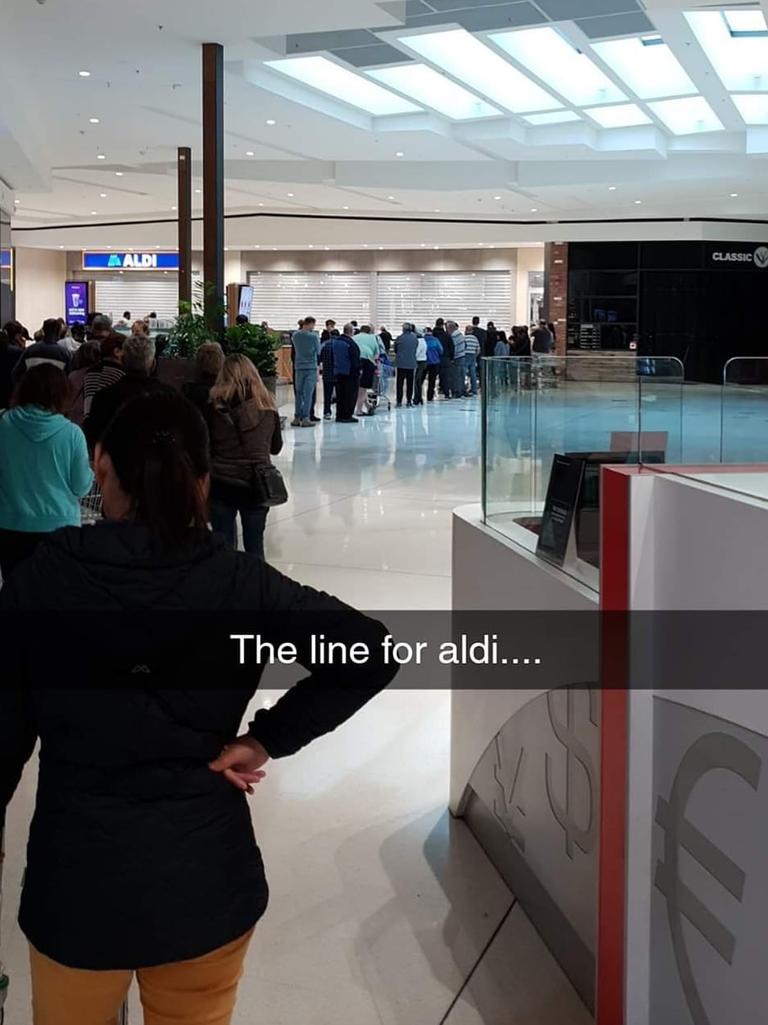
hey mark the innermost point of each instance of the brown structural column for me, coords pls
(185, 224)
(556, 290)
(213, 184)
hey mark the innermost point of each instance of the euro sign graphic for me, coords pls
(583, 837)
(713, 751)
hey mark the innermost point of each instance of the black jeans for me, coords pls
(418, 388)
(15, 547)
(446, 377)
(328, 387)
(432, 371)
(346, 395)
(405, 377)
(253, 518)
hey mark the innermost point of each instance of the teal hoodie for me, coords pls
(44, 470)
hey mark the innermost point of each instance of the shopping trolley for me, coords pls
(90, 510)
(379, 393)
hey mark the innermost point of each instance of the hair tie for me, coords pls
(162, 438)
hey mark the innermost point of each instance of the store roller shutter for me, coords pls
(138, 294)
(423, 297)
(283, 298)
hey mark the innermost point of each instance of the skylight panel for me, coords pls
(434, 90)
(687, 116)
(741, 62)
(546, 54)
(465, 57)
(648, 67)
(745, 23)
(554, 117)
(623, 115)
(753, 107)
(328, 77)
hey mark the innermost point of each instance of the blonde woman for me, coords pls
(245, 431)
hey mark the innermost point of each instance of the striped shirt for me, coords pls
(101, 376)
(473, 345)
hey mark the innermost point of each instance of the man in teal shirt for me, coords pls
(306, 349)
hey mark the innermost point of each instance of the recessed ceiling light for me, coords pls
(435, 247)
(534, 209)
(261, 204)
(497, 197)
(734, 195)
(291, 195)
(381, 247)
(311, 246)
(118, 174)
(249, 152)
(611, 188)
(100, 156)
(173, 208)
(437, 211)
(423, 245)
(391, 198)
(93, 213)
(17, 202)
(345, 208)
(61, 247)
(94, 120)
(638, 202)
(271, 121)
(399, 153)
(198, 191)
(331, 78)
(84, 74)
(102, 195)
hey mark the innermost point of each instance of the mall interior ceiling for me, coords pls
(516, 112)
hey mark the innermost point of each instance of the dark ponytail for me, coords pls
(158, 445)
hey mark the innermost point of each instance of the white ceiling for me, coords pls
(322, 155)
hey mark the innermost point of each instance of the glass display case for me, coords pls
(550, 422)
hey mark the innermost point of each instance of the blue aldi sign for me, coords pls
(130, 261)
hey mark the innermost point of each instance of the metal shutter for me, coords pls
(423, 297)
(283, 298)
(139, 295)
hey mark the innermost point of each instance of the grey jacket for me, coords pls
(405, 350)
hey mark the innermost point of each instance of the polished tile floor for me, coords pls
(381, 904)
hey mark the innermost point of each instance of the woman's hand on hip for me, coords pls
(240, 762)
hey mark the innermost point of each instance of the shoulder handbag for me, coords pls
(265, 484)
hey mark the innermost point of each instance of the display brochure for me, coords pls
(560, 508)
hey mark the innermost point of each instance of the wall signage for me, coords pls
(753, 256)
(76, 301)
(130, 261)
(6, 259)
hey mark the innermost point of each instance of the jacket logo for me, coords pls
(141, 669)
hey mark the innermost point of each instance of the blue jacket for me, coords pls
(434, 350)
(346, 356)
(44, 471)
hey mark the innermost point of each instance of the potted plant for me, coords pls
(189, 332)
(259, 345)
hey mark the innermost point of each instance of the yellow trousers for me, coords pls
(198, 992)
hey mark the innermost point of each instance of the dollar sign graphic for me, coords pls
(583, 838)
(713, 751)
(504, 807)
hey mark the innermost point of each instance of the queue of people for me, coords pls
(351, 361)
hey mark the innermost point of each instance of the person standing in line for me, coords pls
(10, 354)
(481, 335)
(491, 338)
(245, 432)
(329, 376)
(434, 356)
(142, 859)
(368, 344)
(542, 342)
(209, 359)
(472, 354)
(346, 364)
(44, 467)
(108, 371)
(459, 387)
(330, 331)
(446, 360)
(306, 348)
(421, 367)
(125, 321)
(48, 350)
(405, 353)
(501, 348)
(87, 356)
(386, 338)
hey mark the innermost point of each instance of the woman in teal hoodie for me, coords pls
(44, 468)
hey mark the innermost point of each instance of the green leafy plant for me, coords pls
(255, 342)
(191, 329)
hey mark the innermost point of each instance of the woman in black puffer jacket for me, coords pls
(141, 855)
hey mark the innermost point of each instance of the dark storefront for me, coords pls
(703, 302)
